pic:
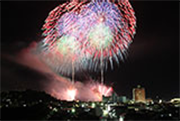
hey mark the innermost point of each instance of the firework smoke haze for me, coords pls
(58, 86)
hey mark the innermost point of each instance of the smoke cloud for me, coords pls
(57, 85)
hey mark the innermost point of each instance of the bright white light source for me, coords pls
(71, 94)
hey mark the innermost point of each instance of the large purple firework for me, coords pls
(87, 35)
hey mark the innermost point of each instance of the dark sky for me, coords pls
(153, 59)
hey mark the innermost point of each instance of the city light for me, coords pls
(73, 110)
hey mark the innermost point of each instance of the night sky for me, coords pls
(152, 61)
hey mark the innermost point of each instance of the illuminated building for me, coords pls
(174, 100)
(139, 94)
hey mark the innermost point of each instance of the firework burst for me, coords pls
(87, 35)
(101, 90)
